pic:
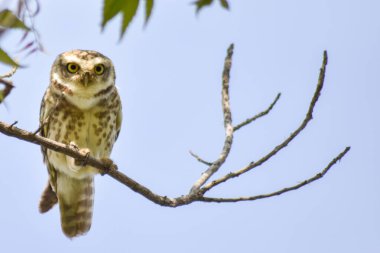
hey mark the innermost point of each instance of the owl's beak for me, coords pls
(86, 78)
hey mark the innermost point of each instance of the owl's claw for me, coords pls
(109, 165)
(83, 151)
(83, 162)
(73, 145)
(86, 153)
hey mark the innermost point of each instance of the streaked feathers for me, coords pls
(86, 112)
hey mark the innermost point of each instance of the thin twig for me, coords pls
(308, 117)
(287, 189)
(32, 26)
(10, 73)
(259, 115)
(199, 159)
(14, 123)
(227, 124)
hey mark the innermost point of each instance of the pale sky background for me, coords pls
(169, 77)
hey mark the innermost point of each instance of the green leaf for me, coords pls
(224, 4)
(7, 89)
(127, 8)
(148, 10)
(110, 9)
(9, 20)
(129, 11)
(200, 4)
(6, 59)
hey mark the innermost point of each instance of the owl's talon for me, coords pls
(85, 161)
(73, 145)
(109, 165)
(83, 151)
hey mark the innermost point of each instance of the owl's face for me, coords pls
(83, 76)
(83, 68)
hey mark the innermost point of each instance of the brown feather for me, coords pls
(48, 199)
(75, 203)
(88, 116)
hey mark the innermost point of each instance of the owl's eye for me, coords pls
(72, 67)
(99, 69)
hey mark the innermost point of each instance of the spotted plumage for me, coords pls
(81, 107)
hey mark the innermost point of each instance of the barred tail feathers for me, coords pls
(48, 199)
(75, 197)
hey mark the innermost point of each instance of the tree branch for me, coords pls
(308, 117)
(287, 189)
(200, 159)
(242, 124)
(227, 124)
(259, 115)
(68, 150)
(197, 191)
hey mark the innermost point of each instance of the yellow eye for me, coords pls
(72, 67)
(99, 69)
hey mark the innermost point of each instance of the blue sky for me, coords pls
(169, 77)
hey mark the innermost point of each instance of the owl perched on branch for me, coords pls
(81, 107)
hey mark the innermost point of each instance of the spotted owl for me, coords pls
(82, 108)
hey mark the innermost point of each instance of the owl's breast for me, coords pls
(93, 129)
(101, 131)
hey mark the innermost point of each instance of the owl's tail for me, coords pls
(75, 198)
(48, 199)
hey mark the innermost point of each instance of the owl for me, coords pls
(81, 108)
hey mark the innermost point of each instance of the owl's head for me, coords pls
(83, 68)
(84, 77)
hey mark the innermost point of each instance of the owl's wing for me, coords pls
(119, 119)
(44, 127)
(45, 109)
(49, 197)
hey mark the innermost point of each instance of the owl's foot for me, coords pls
(109, 165)
(83, 151)
(73, 145)
(83, 162)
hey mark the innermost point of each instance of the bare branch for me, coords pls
(259, 115)
(112, 171)
(308, 117)
(287, 189)
(68, 150)
(199, 159)
(14, 123)
(197, 191)
(227, 124)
